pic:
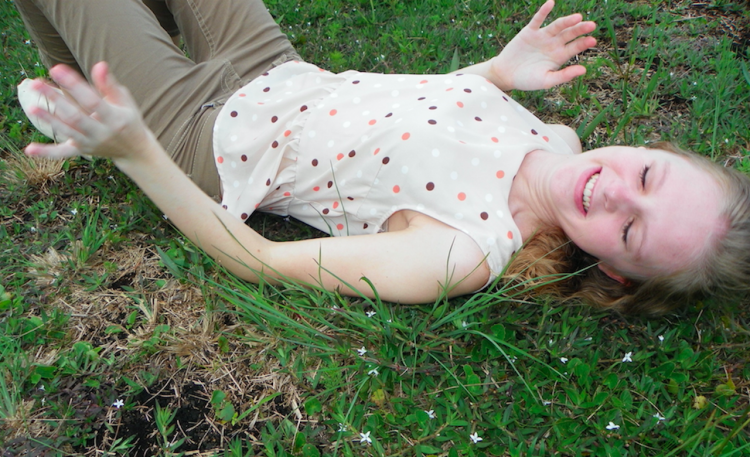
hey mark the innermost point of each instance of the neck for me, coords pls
(528, 202)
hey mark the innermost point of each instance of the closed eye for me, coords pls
(644, 172)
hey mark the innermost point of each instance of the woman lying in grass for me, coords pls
(442, 177)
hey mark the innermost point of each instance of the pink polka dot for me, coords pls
(396, 189)
(287, 133)
(495, 140)
(375, 152)
(220, 159)
(545, 139)
(500, 174)
(460, 104)
(510, 235)
(335, 205)
(242, 95)
(257, 205)
(449, 89)
(287, 194)
(340, 226)
(339, 156)
(461, 196)
(316, 188)
(333, 112)
(372, 122)
(405, 136)
(424, 81)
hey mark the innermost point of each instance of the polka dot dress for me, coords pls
(343, 152)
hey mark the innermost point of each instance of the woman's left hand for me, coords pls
(102, 120)
(532, 59)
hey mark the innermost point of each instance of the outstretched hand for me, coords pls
(102, 120)
(533, 58)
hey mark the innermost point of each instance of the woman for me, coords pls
(441, 200)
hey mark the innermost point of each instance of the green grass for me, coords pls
(102, 300)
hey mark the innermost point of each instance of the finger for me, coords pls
(571, 33)
(65, 111)
(62, 127)
(562, 23)
(78, 89)
(53, 151)
(555, 78)
(578, 46)
(112, 91)
(538, 19)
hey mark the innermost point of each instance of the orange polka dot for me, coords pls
(340, 156)
(316, 188)
(372, 122)
(460, 105)
(495, 140)
(375, 152)
(461, 196)
(545, 139)
(424, 81)
(335, 205)
(396, 189)
(500, 174)
(287, 194)
(220, 159)
(333, 112)
(287, 133)
(406, 136)
(510, 235)
(340, 226)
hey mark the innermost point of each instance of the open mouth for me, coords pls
(588, 190)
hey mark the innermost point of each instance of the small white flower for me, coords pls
(588, 339)
(23, 73)
(44, 400)
(551, 342)
(564, 359)
(546, 403)
(695, 83)
(342, 427)
(661, 338)
(431, 414)
(389, 321)
(73, 211)
(364, 438)
(464, 324)
(475, 438)
(373, 372)
(371, 313)
(164, 216)
(628, 357)
(671, 73)
(33, 229)
(27, 41)
(513, 359)
(362, 351)
(41, 388)
(659, 417)
(612, 426)
(119, 403)
(726, 140)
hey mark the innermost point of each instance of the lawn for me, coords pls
(119, 337)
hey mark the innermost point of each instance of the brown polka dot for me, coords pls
(350, 198)
(478, 119)
(505, 98)
(333, 112)
(352, 153)
(386, 160)
(468, 91)
(534, 132)
(233, 114)
(406, 136)
(268, 182)
(243, 158)
(430, 186)
(355, 82)
(433, 107)
(303, 108)
(389, 115)
(461, 196)
(432, 122)
(274, 119)
(365, 226)
(421, 98)
(330, 184)
(266, 89)
(326, 211)
(224, 206)
(484, 215)
(315, 162)
(265, 74)
(244, 216)
(275, 144)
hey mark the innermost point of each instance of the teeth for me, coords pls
(587, 191)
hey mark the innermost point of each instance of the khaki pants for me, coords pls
(229, 42)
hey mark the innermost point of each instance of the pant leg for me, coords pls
(239, 31)
(52, 47)
(163, 15)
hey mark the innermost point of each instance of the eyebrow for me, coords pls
(656, 185)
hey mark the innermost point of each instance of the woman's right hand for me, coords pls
(102, 120)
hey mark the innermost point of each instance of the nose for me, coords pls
(618, 196)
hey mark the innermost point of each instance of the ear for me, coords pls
(607, 270)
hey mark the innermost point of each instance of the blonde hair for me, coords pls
(551, 264)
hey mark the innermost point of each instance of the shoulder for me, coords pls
(568, 135)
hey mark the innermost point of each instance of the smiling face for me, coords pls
(649, 212)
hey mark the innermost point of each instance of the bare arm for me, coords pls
(533, 58)
(416, 264)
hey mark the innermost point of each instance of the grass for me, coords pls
(117, 337)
